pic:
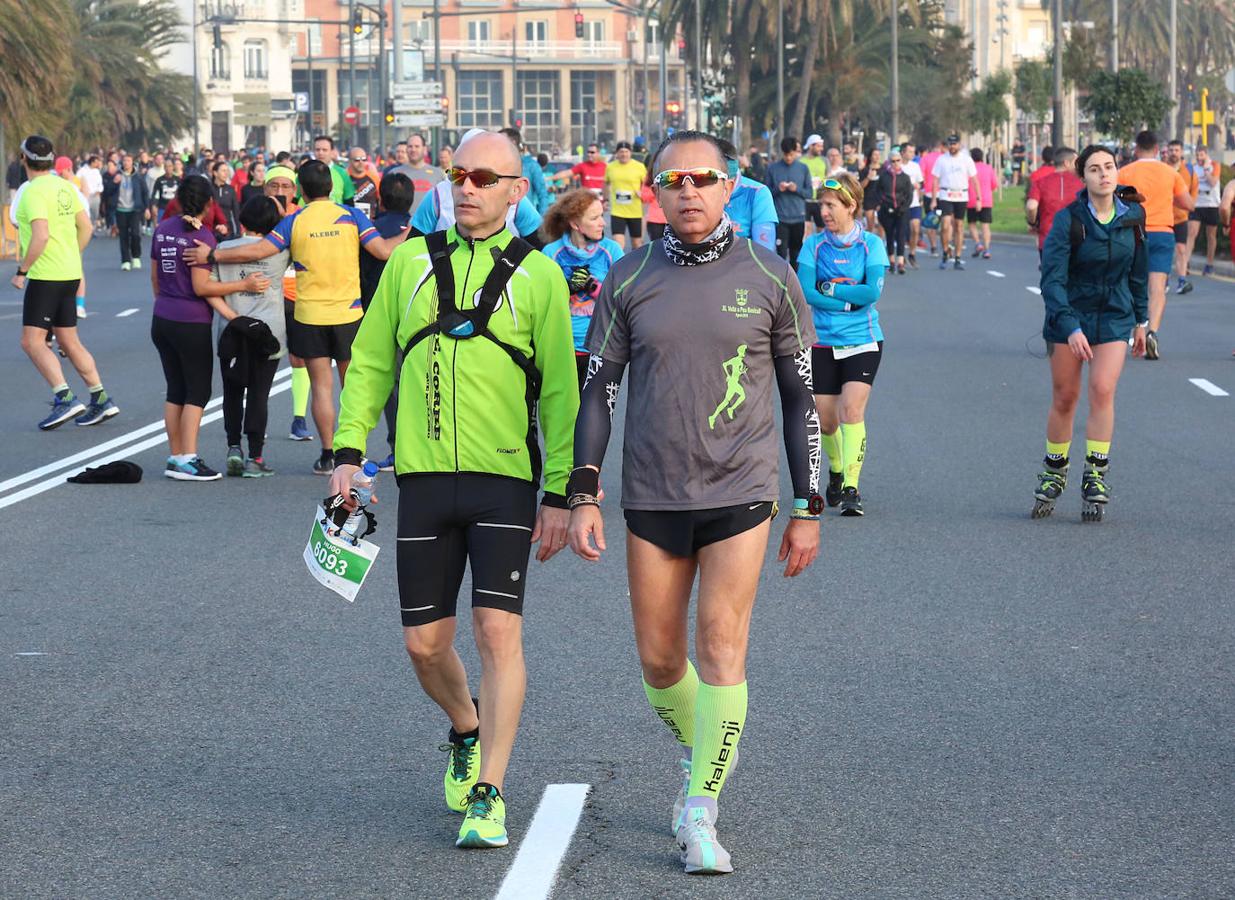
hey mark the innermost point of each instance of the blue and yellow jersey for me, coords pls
(325, 239)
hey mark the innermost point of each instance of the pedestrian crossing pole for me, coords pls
(1204, 117)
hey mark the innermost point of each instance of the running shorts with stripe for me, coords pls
(449, 520)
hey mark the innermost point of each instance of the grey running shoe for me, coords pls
(702, 853)
(680, 803)
(235, 461)
(1151, 345)
(98, 412)
(256, 468)
(62, 409)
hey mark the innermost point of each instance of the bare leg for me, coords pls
(190, 425)
(1157, 299)
(728, 578)
(322, 404)
(1065, 390)
(34, 343)
(78, 355)
(1104, 371)
(503, 682)
(440, 671)
(660, 586)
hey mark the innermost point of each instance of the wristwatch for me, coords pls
(21, 274)
(807, 508)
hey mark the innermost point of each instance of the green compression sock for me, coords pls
(720, 716)
(832, 446)
(854, 442)
(1058, 451)
(675, 705)
(1098, 449)
(300, 392)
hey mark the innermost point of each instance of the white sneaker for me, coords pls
(702, 853)
(137, 263)
(81, 310)
(680, 803)
(124, 267)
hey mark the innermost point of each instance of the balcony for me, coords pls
(534, 50)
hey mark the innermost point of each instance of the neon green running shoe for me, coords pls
(462, 770)
(484, 823)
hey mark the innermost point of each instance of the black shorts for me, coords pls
(974, 215)
(622, 225)
(323, 341)
(656, 230)
(1206, 215)
(1181, 232)
(581, 361)
(289, 318)
(830, 373)
(447, 521)
(50, 304)
(684, 532)
(955, 208)
(814, 212)
(186, 350)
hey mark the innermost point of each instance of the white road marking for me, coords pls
(1033, 290)
(30, 653)
(1209, 387)
(995, 274)
(113, 454)
(126, 312)
(548, 837)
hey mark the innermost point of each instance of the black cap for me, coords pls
(954, 139)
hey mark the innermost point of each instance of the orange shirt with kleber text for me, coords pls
(1159, 183)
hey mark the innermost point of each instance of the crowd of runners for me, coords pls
(488, 312)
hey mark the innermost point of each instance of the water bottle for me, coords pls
(362, 493)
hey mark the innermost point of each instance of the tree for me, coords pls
(36, 40)
(1034, 88)
(1122, 103)
(988, 108)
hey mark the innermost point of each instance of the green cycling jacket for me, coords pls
(463, 405)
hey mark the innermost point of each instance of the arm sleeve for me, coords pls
(596, 405)
(1138, 281)
(863, 294)
(559, 390)
(801, 422)
(1056, 253)
(371, 374)
(608, 334)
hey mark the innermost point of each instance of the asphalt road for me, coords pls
(956, 701)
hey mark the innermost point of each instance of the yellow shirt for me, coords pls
(625, 182)
(52, 198)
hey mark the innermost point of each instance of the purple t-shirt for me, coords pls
(174, 298)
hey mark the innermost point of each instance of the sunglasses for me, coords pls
(674, 179)
(832, 184)
(481, 178)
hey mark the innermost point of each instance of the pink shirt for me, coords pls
(988, 181)
(928, 166)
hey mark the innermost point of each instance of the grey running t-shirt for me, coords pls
(699, 342)
(267, 306)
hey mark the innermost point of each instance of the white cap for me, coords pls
(813, 139)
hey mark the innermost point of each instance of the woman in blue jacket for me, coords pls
(1095, 289)
(574, 233)
(842, 269)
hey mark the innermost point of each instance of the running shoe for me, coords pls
(900, 268)
(300, 430)
(1207, 271)
(943, 263)
(977, 251)
(137, 263)
(387, 464)
(484, 819)
(913, 261)
(97, 412)
(1151, 345)
(958, 264)
(256, 467)
(124, 266)
(1184, 287)
(324, 464)
(235, 461)
(835, 489)
(193, 470)
(680, 803)
(462, 771)
(851, 502)
(62, 409)
(702, 853)
(81, 310)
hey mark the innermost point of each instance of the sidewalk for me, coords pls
(1222, 267)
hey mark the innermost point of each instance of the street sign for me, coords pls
(416, 89)
(351, 115)
(421, 120)
(302, 101)
(416, 104)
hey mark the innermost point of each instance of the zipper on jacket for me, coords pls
(454, 357)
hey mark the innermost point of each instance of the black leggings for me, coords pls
(789, 241)
(249, 413)
(130, 226)
(186, 350)
(896, 230)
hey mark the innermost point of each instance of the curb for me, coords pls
(1222, 267)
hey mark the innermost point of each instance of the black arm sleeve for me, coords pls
(596, 404)
(802, 436)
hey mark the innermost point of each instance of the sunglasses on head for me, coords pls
(832, 184)
(481, 178)
(673, 179)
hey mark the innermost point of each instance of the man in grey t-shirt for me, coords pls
(706, 321)
(423, 174)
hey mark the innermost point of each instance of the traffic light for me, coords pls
(390, 111)
(217, 33)
(578, 24)
(682, 48)
(674, 110)
(357, 22)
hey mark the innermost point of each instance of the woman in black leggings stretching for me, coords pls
(185, 300)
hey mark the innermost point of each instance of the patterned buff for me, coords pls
(708, 250)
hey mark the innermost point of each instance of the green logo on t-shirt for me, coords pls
(735, 394)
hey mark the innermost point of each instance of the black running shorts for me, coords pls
(447, 521)
(623, 225)
(831, 373)
(955, 208)
(685, 532)
(975, 216)
(50, 304)
(323, 341)
(289, 319)
(1206, 215)
(186, 350)
(1181, 232)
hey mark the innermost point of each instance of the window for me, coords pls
(594, 31)
(220, 61)
(652, 34)
(480, 100)
(535, 32)
(255, 60)
(478, 32)
(420, 30)
(536, 100)
(582, 107)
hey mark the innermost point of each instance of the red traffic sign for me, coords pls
(351, 115)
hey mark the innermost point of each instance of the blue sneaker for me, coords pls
(300, 431)
(943, 263)
(193, 470)
(387, 464)
(62, 409)
(97, 412)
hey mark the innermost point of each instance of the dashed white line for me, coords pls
(1209, 387)
(1033, 289)
(548, 837)
(127, 312)
(995, 274)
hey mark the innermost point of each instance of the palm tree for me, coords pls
(36, 46)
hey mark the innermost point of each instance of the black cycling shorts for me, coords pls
(186, 350)
(50, 304)
(830, 373)
(1206, 215)
(1181, 232)
(814, 212)
(289, 318)
(973, 215)
(622, 225)
(955, 208)
(447, 521)
(684, 532)
(323, 341)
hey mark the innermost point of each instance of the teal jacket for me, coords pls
(1101, 286)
